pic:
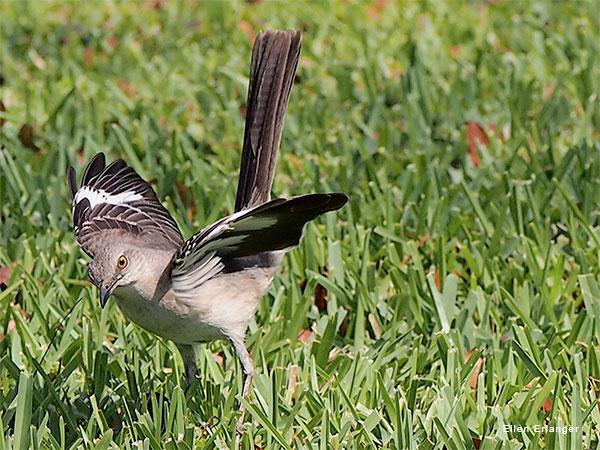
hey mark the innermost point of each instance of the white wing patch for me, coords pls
(98, 196)
(188, 281)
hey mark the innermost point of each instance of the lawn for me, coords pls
(456, 297)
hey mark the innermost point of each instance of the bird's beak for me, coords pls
(105, 292)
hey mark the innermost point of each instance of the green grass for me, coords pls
(459, 297)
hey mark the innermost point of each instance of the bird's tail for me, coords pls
(272, 70)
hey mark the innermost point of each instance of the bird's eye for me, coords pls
(122, 262)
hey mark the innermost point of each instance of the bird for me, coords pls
(209, 286)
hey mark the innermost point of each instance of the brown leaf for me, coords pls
(456, 51)
(307, 63)
(405, 260)
(302, 285)
(468, 354)
(476, 135)
(374, 11)
(88, 56)
(437, 280)
(127, 88)
(5, 274)
(112, 42)
(320, 297)
(182, 189)
(476, 373)
(2, 119)
(547, 405)
(304, 335)
(154, 4)
(26, 136)
(247, 29)
(422, 241)
(476, 443)
(183, 193)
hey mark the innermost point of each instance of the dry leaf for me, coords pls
(88, 56)
(248, 30)
(476, 373)
(456, 51)
(307, 63)
(26, 136)
(476, 136)
(320, 297)
(304, 335)
(112, 42)
(37, 60)
(5, 274)
(547, 405)
(127, 88)
(374, 325)
(2, 119)
(374, 11)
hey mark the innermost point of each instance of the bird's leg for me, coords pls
(248, 366)
(188, 353)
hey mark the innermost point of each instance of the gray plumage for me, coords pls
(209, 286)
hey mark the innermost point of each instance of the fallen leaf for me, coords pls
(455, 51)
(26, 136)
(468, 354)
(11, 325)
(307, 63)
(293, 385)
(5, 274)
(2, 119)
(547, 405)
(320, 297)
(374, 11)
(37, 60)
(476, 373)
(247, 29)
(374, 325)
(475, 135)
(304, 335)
(112, 42)
(423, 240)
(127, 88)
(88, 56)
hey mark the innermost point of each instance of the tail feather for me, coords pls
(273, 67)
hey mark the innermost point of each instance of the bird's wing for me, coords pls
(245, 238)
(115, 199)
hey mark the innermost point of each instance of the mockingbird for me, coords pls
(209, 286)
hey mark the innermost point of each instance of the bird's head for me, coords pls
(112, 267)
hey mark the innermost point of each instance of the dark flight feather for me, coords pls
(272, 70)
